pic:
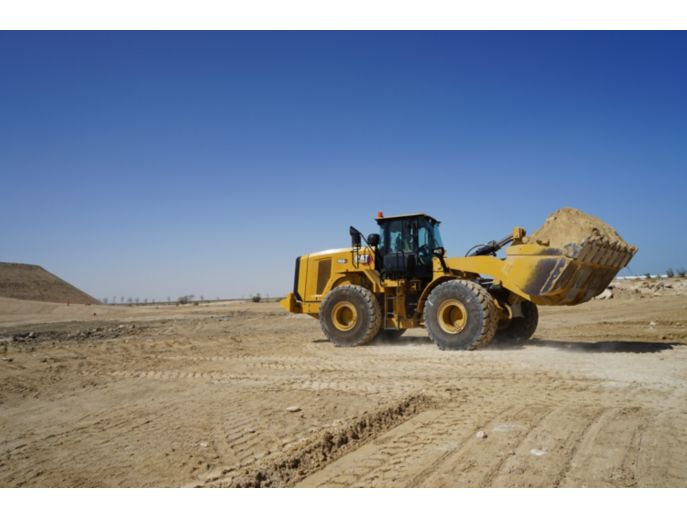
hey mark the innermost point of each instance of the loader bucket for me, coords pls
(569, 275)
(569, 260)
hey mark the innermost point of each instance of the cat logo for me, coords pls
(363, 259)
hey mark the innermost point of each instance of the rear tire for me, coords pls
(460, 315)
(520, 329)
(350, 316)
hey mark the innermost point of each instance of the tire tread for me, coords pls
(486, 301)
(371, 307)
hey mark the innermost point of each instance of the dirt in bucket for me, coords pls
(570, 225)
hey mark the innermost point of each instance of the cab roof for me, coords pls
(411, 215)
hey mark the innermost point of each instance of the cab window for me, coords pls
(425, 243)
(401, 237)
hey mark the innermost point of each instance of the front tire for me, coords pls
(350, 316)
(460, 315)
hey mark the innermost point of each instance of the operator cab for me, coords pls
(407, 244)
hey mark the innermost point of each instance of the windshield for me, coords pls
(428, 235)
(428, 240)
(437, 235)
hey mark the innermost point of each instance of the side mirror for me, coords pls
(373, 239)
(355, 237)
(439, 251)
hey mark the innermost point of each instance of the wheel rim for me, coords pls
(344, 316)
(452, 316)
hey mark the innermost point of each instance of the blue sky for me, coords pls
(154, 164)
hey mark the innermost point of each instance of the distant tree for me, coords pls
(169, 299)
(121, 299)
(201, 297)
(182, 300)
(105, 300)
(256, 298)
(145, 301)
(670, 273)
(136, 300)
(647, 275)
(128, 300)
(682, 273)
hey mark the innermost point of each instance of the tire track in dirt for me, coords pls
(214, 377)
(244, 433)
(369, 464)
(442, 443)
(662, 455)
(516, 431)
(310, 454)
(431, 449)
(433, 469)
(580, 444)
(606, 455)
(544, 455)
(51, 451)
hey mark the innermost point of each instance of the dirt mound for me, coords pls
(34, 283)
(569, 225)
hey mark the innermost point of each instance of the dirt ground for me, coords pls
(244, 394)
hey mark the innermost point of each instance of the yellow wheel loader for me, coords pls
(402, 278)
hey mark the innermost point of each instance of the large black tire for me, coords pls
(388, 335)
(350, 316)
(520, 329)
(460, 315)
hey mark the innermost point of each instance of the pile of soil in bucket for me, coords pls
(569, 225)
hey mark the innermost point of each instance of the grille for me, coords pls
(324, 270)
